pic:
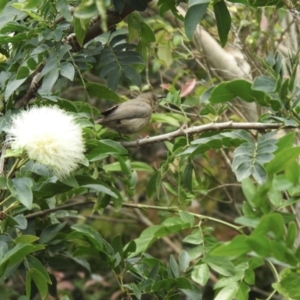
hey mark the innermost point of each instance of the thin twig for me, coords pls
(173, 209)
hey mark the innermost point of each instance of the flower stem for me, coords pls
(6, 199)
(13, 168)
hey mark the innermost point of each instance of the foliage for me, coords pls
(225, 201)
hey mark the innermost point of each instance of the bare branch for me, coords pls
(183, 131)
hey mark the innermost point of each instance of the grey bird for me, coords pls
(130, 116)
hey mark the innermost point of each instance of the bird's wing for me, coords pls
(109, 110)
(131, 110)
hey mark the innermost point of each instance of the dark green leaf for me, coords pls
(223, 20)
(139, 5)
(132, 75)
(39, 281)
(147, 34)
(193, 16)
(119, 5)
(23, 72)
(153, 184)
(187, 176)
(36, 264)
(102, 91)
(50, 232)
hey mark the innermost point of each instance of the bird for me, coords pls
(131, 116)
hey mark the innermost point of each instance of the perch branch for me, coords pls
(183, 131)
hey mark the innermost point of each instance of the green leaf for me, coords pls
(289, 286)
(200, 274)
(264, 84)
(91, 183)
(223, 20)
(117, 245)
(250, 156)
(12, 86)
(23, 72)
(243, 292)
(184, 260)
(39, 280)
(105, 147)
(87, 232)
(282, 159)
(147, 34)
(101, 91)
(67, 70)
(135, 165)
(249, 277)
(36, 264)
(28, 239)
(195, 13)
(50, 232)
(49, 80)
(132, 75)
(187, 176)
(153, 184)
(271, 222)
(228, 292)
(227, 91)
(195, 238)
(249, 191)
(174, 266)
(221, 265)
(129, 248)
(17, 254)
(292, 234)
(3, 4)
(21, 189)
(236, 247)
(151, 234)
(134, 26)
(187, 217)
(80, 29)
(259, 244)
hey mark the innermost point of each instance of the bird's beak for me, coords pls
(159, 97)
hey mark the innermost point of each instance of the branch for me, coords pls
(183, 131)
(173, 209)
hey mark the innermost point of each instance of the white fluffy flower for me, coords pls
(50, 136)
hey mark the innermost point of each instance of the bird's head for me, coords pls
(150, 98)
